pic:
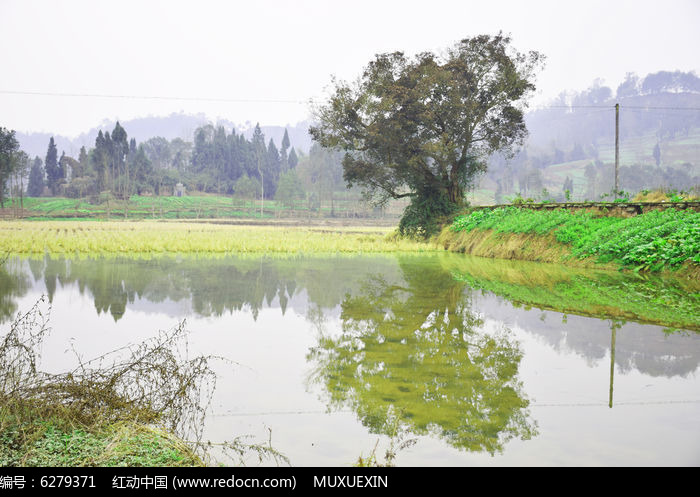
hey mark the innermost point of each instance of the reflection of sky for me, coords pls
(565, 373)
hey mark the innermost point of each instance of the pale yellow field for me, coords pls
(152, 237)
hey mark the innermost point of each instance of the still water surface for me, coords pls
(479, 362)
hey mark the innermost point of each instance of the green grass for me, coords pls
(35, 441)
(651, 241)
(143, 207)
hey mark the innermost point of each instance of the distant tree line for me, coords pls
(216, 161)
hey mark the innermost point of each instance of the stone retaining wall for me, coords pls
(608, 208)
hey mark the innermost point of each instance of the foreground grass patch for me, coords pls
(41, 442)
(66, 237)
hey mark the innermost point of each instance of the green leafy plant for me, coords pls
(517, 200)
(650, 241)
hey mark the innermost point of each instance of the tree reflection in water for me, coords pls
(416, 349)
(13, 284)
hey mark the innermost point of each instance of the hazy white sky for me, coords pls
(273, 50)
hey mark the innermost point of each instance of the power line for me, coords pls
(609, 107)
(636, 107)
(290, 101)
(659, 113)
(612, 107)
(153, 97)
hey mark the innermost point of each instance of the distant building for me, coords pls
(179, 190)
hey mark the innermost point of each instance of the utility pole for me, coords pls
(617, 147)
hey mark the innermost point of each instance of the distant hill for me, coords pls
(298, 135)
(176, 125)
(571, 143)
(143, 128)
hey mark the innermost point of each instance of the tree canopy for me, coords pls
(35, 186)
(423, 126)
(9, 146)
(53, 172)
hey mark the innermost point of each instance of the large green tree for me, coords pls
(9, 146)
(246, 187)
(36, 178)
(141, 169)
(422, 127)
(284, 155)
(293, 159)
(120, 166)
(259, 153)
(20, 171)
(289, 189)
(99, 159)
(158, 151)
(272, 169)
(53, 171)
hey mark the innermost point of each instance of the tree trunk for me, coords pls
(455, 194)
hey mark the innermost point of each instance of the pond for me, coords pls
(472, 361)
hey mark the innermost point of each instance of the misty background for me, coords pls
(168, 72)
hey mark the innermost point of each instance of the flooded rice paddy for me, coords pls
(472, 361)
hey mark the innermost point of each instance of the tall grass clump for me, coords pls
(651, 241)
(143, 405)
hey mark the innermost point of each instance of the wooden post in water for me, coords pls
(613, 328)
(617, 148)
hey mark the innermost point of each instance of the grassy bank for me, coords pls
(152, 237)
(656, 240)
